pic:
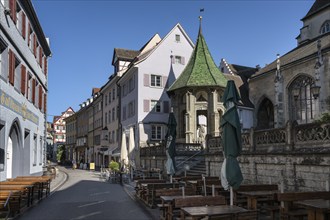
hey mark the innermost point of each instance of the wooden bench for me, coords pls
(42, 183)
(149, 195)
(192, 202)
(11, 201)
(139, 190)
(170, 192)
(289, 210)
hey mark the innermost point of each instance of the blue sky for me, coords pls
(84, 33)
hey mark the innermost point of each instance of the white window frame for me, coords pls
(156, 80)
(155, 106)
(156, 132)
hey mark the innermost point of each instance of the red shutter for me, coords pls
(23, 25)
(35, 45)
(40, 96)
(146, 105)
(33, 91)
(11, 75)
(45, 65)
(12, 7)
(40, 56)
(23, 79)
(45, 102)
(146, 80)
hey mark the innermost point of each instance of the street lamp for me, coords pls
(296, 92)
(315, 90)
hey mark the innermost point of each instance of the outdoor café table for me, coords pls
(198, 212)
(254, 196)
(317, 208)
(169, 202)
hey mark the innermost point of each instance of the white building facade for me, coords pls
(24, 53)
(145, 106)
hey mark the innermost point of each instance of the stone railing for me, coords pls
(291, 137)
(181, 149)
(315, 135)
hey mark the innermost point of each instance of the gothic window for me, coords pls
(303, 104)
(265, 115)
(325, 28)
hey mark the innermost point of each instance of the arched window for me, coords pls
(303, 106)
(265, 115)
(325, 28)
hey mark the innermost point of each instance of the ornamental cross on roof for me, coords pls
(201, 70)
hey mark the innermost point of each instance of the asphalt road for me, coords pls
(85, 196)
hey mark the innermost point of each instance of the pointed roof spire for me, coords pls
(201, 70)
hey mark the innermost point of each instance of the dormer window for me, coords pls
(325, 27)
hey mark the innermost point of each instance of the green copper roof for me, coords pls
(200, 70)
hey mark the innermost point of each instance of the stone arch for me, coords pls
(14, 158)
(303, 107)
(265, 114)
(201, 96)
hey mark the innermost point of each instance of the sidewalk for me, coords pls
(60, 178)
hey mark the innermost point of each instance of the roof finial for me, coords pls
(200, 19)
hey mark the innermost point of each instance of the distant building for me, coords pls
(24, 52)
(59, 132)
(296, 86)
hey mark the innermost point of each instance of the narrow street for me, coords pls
(86, 196)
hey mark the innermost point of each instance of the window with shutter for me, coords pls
(146, 105)
(40, 56)
(146, 80)
(23, 79)
(12, 7)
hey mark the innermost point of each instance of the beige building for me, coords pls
(296, 86)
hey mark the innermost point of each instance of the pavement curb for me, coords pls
(60, 183)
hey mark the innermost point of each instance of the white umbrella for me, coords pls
(131, 150)
(131, 147)
(123, 151)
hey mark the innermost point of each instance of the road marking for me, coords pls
(85, 216)
(89, 204)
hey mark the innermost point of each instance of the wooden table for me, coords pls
(254, 196)
(203, 211)
(168, 203)
(317, 208)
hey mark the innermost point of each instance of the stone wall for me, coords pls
(298, 155)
